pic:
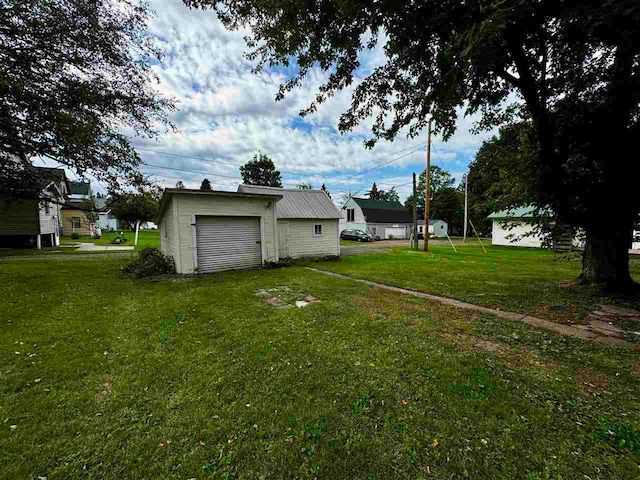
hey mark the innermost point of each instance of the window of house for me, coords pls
(351, 214)
(46, 208)
(374, 230)
(317, 229)
(75, 224)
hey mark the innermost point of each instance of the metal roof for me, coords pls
(526, 211)
(314, 204)
(80, 188)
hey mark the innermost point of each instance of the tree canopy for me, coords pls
(132, 207)
(304, 186)
(502, 174)
(205, 186)
(438, 180)
(390, 195)
(571, 68)
(75, 82)
(261, 170)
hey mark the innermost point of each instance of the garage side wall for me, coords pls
(303, 242)
(168, 233)
(190, 206)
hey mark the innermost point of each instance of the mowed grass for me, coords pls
(146, 238)
(527, 280)
(102, 377)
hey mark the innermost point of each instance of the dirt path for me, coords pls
(591, 333)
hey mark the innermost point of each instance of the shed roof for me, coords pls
(312, 204)
(212, 193)
(525, 211)
(381, 211)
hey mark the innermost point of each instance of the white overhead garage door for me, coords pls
(228, 243)
(395, 232)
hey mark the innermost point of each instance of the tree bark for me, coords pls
(605, 261)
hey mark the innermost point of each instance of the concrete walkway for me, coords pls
(586, 332)
(91, 247)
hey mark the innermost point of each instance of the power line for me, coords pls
(383, 164)
(191, 157)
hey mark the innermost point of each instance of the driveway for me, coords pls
(381, 246)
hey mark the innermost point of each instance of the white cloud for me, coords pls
(227, 113)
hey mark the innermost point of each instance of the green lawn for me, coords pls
(146, 238)
(102, 377)
(527, 280)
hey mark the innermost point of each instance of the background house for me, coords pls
(35, 221)
(74, 216)
(439, 228)
(106, 221)
(379, 218)
(307, 220)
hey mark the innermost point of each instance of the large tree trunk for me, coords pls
(605, 261)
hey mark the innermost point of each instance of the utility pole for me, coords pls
(426, 193)
(466, 206)
(414, 242)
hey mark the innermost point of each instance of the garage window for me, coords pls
(317, 230)
(374, 230)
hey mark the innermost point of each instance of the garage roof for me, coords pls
(212, 193)
(313, 204)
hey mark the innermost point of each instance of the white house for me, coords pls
(106, 221)
(211, 231)
(307, 222)
(439, 228)
(513, 228)
(35, 220)
(380, 219)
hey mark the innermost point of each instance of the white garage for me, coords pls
(213, 231)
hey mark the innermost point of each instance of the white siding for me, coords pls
(501, 235)
(47, 220)
(359, 222)
(180, 215)
(297, 238)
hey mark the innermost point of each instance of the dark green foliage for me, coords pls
(205, 185)
(75, 235)
(502, 175)
(260, 170)
(132, 207)
(150, 262)
(439, 179)
(387, 196)
(621, 435)
(570, 68)
(75, 75)
(447, 205)
(119, 239)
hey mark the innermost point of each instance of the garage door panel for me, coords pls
(395, 232)
(228, 243)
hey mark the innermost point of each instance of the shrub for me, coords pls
(75, 235)
(283, 262)
(120, 239)
(149, 263)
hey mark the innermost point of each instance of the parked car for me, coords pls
(355, 235)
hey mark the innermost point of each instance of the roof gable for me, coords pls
(312, 204)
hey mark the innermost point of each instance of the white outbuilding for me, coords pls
(515, 228)
(211, 231)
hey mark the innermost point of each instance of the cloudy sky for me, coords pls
(226, 113)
